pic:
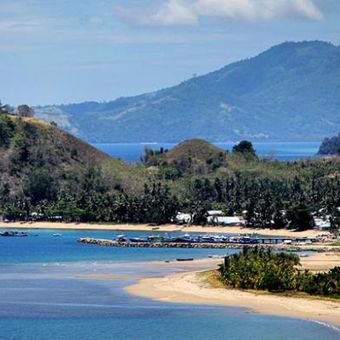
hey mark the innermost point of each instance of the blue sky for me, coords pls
(63, 51)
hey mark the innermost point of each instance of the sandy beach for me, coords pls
(192, 287)
(165, 228)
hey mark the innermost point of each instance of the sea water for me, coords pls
(284, 151)
(48, 291)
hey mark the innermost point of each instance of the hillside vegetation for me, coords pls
(330, 146)
(48, 174)
(43, 168)
(290, 92)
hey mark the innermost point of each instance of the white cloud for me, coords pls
(253, 10)
(188, 12)
(22, 25)
(171, 13)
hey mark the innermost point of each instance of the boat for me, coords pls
(186, 238)
(57, 235)
(121, 238)
(208, 239)
(10, 233)
(137, 239)
(184, 259)
(154, 238)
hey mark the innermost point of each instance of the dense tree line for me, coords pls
(276, 272)
(272, 201)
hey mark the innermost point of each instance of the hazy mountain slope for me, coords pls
(289, 92)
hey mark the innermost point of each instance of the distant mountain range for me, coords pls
(290, 92)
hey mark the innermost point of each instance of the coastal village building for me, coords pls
(183, 218)
(322, 224)
(216, 217)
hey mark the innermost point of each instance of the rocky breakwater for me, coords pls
(115, 243)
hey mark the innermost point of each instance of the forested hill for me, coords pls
(330, 146)
(44, 168)
(290, 92)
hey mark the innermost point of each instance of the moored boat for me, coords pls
(10, 233)
(184, 259)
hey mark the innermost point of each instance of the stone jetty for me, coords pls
(127, 244)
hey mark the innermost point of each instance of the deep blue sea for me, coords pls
(47, 292)
(286, 151)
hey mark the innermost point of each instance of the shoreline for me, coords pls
(192, 287)
(164, 228)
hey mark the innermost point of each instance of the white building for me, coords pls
(322, 224)
(183, 218)
(216, 217)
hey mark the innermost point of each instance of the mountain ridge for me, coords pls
(292, 87)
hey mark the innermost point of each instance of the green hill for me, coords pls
(290, 92)
(196, 149)
(47, 168)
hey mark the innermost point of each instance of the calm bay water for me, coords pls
(287, 151)
(47, 292)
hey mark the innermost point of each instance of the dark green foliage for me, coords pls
(276, 272)
(40, 186)
(330, 146)
(325, 284)
(245, 148)
(20, 145)
(6, 130)
(270, 199)
(260, 269)
(300, 217)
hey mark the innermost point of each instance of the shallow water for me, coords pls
(53, 297)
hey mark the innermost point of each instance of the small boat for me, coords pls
(121, 238)
(137, 239)
(184, 259)
(185, 238)
(154, 238)
(57, 235)
(207, 239)
(11, 233)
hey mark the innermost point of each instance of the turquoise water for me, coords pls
(45, 247)
(285, 151)
(46, 292)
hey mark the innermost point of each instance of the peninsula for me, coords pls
(199, 286)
